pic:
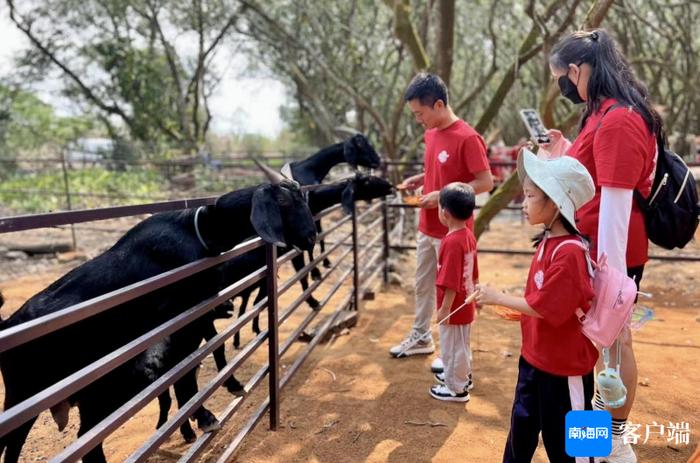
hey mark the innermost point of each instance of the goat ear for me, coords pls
(265, 216)
(348, 197)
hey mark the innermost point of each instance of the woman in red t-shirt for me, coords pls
(617, 144)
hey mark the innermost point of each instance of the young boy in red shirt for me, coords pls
(456, 273)
(555, 373)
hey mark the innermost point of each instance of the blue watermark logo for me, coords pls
(588, 433)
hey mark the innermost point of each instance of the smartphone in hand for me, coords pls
(534, 125)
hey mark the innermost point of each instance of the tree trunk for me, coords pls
(445, 39)
(510, 188)
(524, 54)
(500, 199)
(406, 32)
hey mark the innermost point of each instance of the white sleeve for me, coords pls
(613, 225)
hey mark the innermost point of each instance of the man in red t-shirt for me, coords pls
(454, 152)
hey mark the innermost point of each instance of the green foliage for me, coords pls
(210, 183)
(147, 64)
(44, 192)
(333, 54)
(142, 78)
(27, 124)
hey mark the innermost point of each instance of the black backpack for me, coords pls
(671, 211)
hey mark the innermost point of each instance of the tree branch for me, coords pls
(406, 32)
(340, 82)
(319, 114)
(112, 108)
(445, 39)
(180, 99)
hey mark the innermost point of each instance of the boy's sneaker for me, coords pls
(442, 392)
(621, 452)
(437, 366)
(423, 347)
(440, 378)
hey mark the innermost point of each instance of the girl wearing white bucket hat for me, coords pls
(555, 373)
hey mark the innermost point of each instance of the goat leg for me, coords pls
(232, 384)
(60, 412)
(245, 295)
(322, 244)
(14, 440)
(262, 293)
(315, 272)
(185, 389)
(298, 263)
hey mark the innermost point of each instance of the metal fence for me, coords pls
(395, 240)
(381, 227)
(360, 276)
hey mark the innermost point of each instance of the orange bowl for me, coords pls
(411, 200)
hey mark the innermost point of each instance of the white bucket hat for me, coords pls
(564, 180)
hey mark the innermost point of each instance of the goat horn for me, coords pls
(274, 177)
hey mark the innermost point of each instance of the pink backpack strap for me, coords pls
(580, 314)
(578, 243)
(581, 245)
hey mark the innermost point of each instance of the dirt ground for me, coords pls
(351, 402)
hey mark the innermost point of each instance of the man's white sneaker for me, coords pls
(621, 452)
(437, 366)
(410, 346)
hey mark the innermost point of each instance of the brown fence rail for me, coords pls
(524, 252)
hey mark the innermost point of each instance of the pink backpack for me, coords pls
(612, 304)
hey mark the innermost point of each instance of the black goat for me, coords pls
(278, 213)
(362, 187)
(356, 151)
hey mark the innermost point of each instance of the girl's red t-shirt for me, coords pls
(619, 154)
(555, 289)
(457, 270)
(453, 154)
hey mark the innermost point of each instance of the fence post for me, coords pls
(385, 231)
(355, 264)
(66, 187)
(272, 335)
